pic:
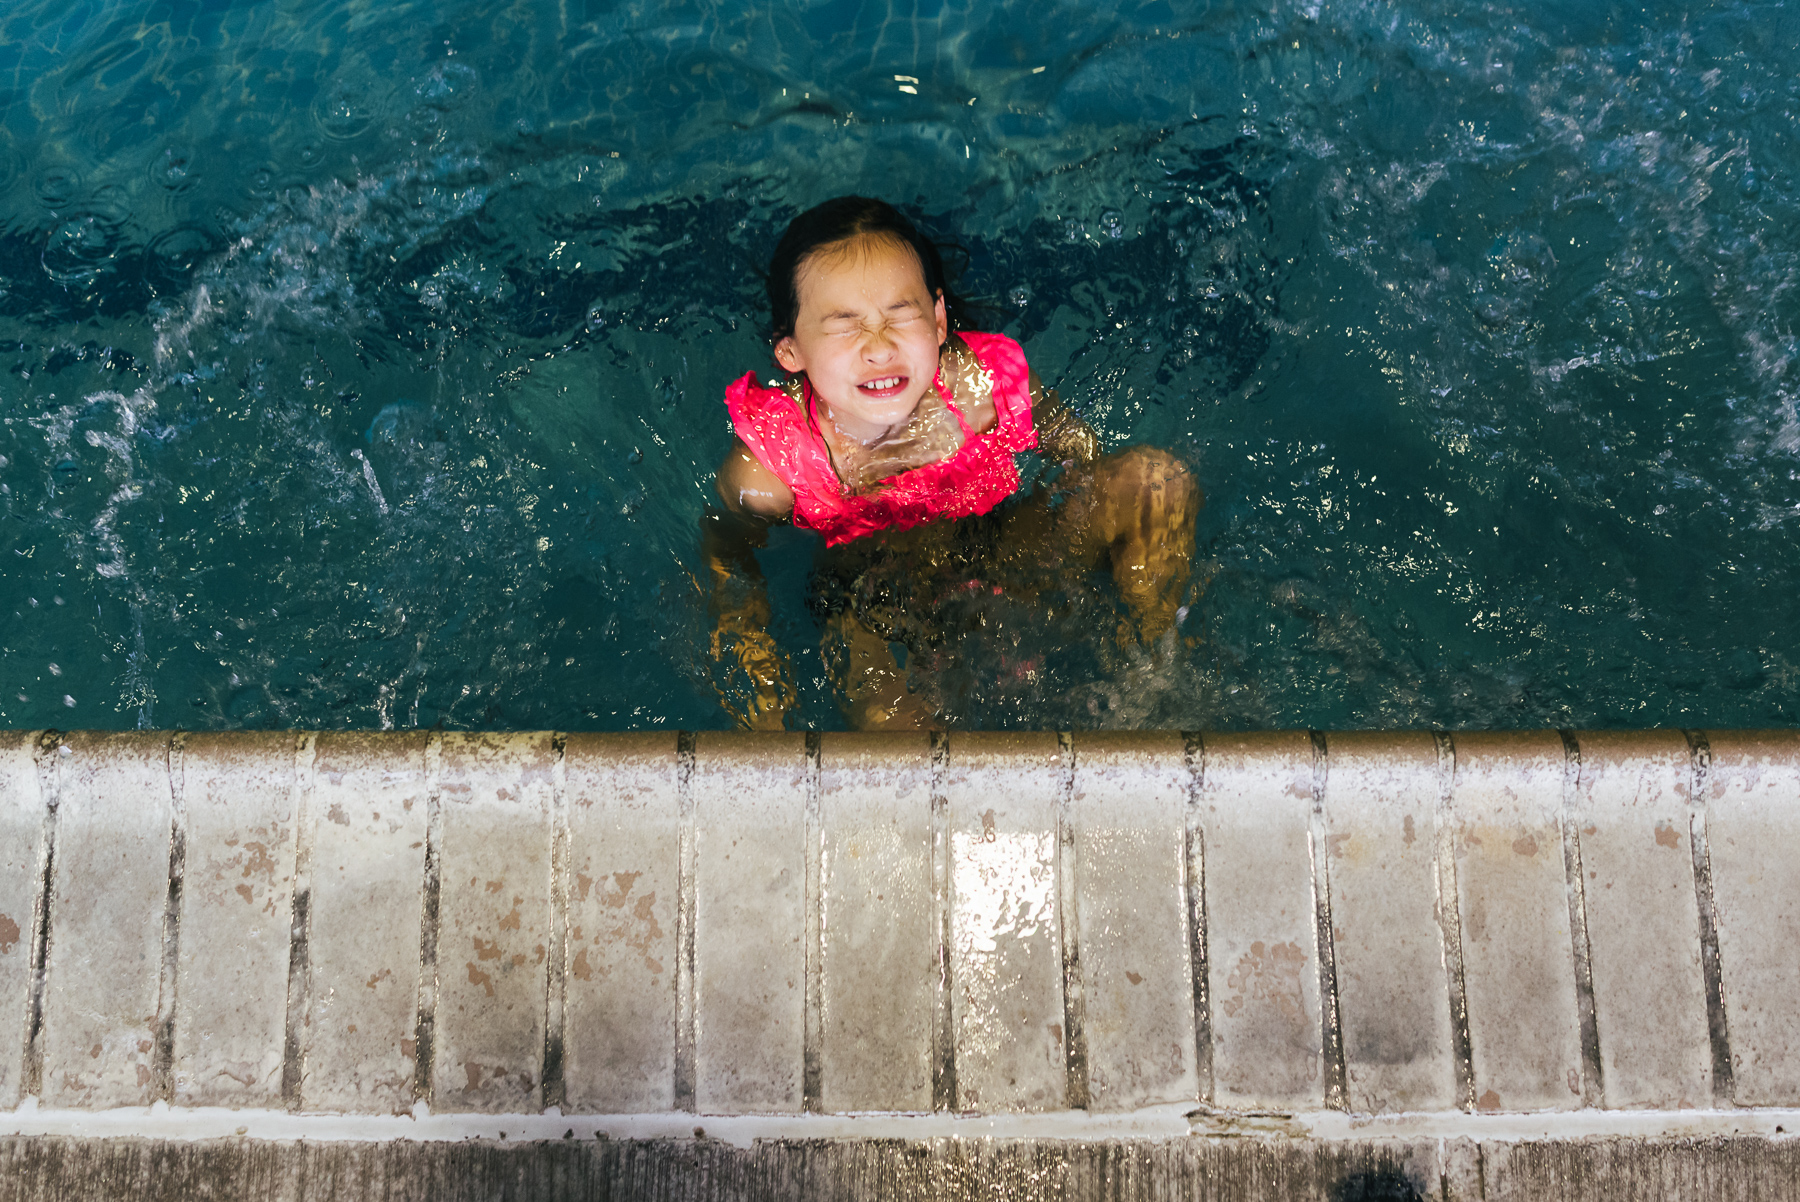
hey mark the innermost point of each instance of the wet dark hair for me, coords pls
(838, 221)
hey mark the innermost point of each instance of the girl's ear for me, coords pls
(943, 320)
(788, 355)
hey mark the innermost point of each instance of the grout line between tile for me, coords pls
(685, 1051)
(550, 1076)
(299, 983)
(1449, 914)
(1331, 1031)
(943, 1025)
(812, 1030)
(430, 902)
(162, 1070)
(1077, 1090)
(48, 759)
(1712, 974)
(1593, 1081)
(1194, 873)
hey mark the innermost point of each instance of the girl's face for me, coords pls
(867, 334)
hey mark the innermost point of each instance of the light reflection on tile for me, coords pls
(1007, 954)
(1005, 937)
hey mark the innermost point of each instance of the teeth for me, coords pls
(886, 382)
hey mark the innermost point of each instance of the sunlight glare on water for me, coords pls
(364, 363)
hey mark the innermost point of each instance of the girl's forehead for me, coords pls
(857, 263)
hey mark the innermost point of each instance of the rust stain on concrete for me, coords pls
(1526, 845)
(1489, 1101)
(511, 921)
(9, 935)
(477, 977)
(485, 950)
(623, 882)
(259, 861)
(1268, 973)
(1667, 835)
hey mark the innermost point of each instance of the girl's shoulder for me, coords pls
(777, 399)
(996, 352)
(990, 375)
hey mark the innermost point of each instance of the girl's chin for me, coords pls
(881, 412)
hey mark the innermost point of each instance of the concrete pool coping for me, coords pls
(1550, 940)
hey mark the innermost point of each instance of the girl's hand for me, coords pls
(771, 692)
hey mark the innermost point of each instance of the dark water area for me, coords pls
(362, 364)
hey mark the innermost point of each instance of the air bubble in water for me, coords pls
(636, 456)
(173, 169)
(58, 186)
(596, 320)
(1751, 184)
(181, 249)
(1113, 223)
(1020, 296)
(344, 113)
(447, 84)
(79, 250)
(1073, 231)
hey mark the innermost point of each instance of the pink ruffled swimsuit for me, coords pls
(785, 438)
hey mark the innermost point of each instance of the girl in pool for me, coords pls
(893, 438)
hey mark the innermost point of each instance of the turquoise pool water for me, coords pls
(363, 361)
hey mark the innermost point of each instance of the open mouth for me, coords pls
(884, 387)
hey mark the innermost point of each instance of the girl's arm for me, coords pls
(739, 596)
(1062, 437)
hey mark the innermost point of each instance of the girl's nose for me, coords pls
(878, 344)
